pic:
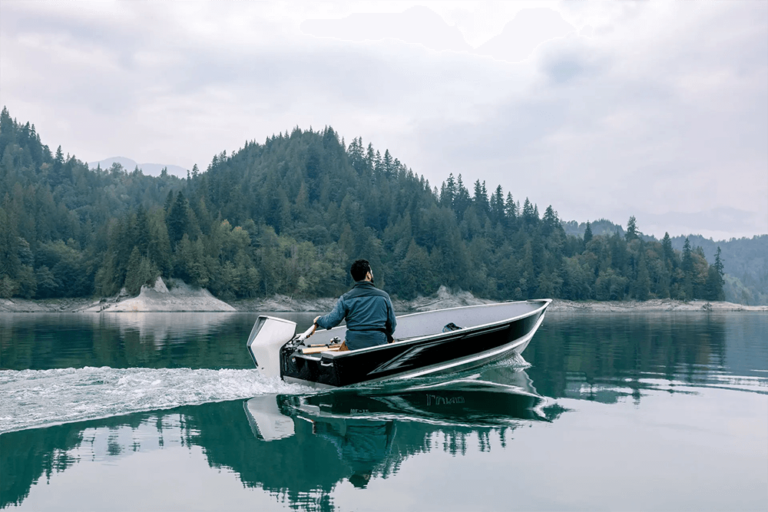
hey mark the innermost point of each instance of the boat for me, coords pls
(428, 343)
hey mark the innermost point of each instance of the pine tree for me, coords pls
(497, 206)
(480, 198)
(714, 283)
(550, 221)
(134, 278)
(177, 219)
(142, 231)
(448, 198)
(511, 210)
(462, 199)
(387, 164)
(10, 265)
(530, 214)
(632, 233)
(687, 264)
(587, 234)
(168, 201)
(159, 247)
(719, 263)
(642, 284)
(688, 270)
(57, 170)
(668, 251)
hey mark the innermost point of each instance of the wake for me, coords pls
(40, 398)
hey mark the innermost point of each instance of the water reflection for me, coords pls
(304, 450)
(123, 340)
(606, 358)
(298, 448)
(363, 424)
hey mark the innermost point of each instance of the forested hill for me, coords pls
(745, 260)
(745, 263)
(289, 215)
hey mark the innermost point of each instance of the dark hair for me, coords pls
(359, 269)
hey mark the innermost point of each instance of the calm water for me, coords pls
(164, 411)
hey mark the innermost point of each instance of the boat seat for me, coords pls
(336, 353)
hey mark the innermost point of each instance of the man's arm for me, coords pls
(333, 318)
(391, 320)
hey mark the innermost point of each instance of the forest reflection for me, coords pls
(124, 340)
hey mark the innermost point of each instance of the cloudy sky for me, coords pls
(652, 109)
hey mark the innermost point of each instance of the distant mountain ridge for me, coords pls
(147, 168)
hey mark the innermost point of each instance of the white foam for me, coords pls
(38, 398)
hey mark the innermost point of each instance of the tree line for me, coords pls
(289, 215)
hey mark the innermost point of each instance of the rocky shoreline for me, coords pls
(652, 305)
(184, 298)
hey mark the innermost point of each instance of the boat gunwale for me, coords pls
(430, 337)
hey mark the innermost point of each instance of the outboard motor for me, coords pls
(268, 336)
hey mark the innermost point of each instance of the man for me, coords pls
(367, 310)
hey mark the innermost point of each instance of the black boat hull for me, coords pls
(426, 355)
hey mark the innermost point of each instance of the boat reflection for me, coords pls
(466, 401)
(362, 423)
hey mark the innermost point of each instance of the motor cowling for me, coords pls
(268, 335)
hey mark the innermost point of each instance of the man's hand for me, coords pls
(314, 325)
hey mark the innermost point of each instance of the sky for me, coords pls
(601, 109)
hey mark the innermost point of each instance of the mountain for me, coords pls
(598, 227)
(715, 223)
(290, 214)
(148, 169)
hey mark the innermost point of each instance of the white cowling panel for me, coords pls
(268, 335)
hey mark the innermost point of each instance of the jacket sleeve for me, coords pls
(333, 318)
(391, 320)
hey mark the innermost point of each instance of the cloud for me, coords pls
(529, 29)
(571, 63)
(421, 25)
(663, 107)
(417, 25)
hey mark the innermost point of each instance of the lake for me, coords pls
(160, 411)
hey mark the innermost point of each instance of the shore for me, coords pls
(630, 306)
(184, 298)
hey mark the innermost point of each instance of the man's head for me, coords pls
(360, 270)
(360, 480)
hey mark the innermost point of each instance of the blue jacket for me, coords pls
(369, 315)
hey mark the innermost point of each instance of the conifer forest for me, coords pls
(290, 214)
